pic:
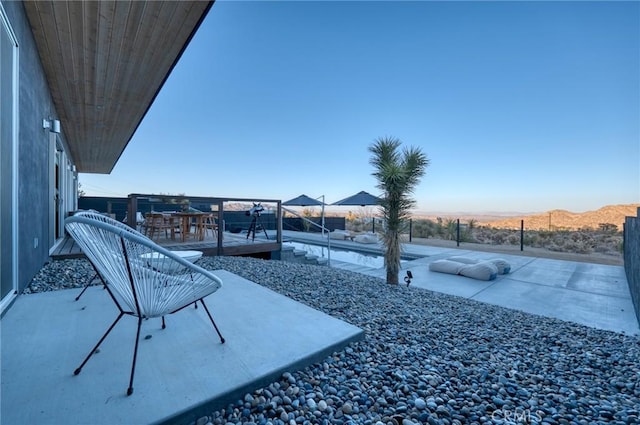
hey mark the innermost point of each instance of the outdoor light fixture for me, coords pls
(408, 277)
(52, 125)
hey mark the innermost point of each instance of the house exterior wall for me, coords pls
(34, 151)
(632, 258)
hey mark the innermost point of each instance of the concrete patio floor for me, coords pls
(594, 295)
(182, 372)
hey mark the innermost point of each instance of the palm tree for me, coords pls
(398, 173)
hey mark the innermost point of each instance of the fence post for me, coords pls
(521, 235)
(374, 225)
(458, 233)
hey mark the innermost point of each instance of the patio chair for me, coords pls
(156, 223)
(209, 224)
(95, 215)
(139, 220)
(144, 279)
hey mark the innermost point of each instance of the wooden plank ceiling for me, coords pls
(105, 63)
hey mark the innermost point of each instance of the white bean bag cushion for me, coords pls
(339, 234)
(485, 270)
(446, 266)
(464, 260)
(366, 238)
(503, 266)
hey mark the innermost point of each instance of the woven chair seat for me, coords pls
(143, 279)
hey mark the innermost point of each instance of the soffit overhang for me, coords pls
(105, 63)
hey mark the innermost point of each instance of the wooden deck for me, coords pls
(67, 249)
(233, 244)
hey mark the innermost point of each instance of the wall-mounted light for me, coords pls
(52, 125)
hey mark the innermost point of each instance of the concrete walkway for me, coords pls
(594, 295)
(183, 372)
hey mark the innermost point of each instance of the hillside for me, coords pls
(562, 219)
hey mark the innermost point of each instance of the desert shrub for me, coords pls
(558, 240)
(513, 239)
(531, 239)
(577, 246)
(544, 234)
(449, 230)
(553, 247)
(307, 213)
(499, 237)
(480, 235)
(424, 229)
(468, 235)
(608, 243)
(608, 227)
(604, 249)
(582, 242)
(485, 235)
(355, 225)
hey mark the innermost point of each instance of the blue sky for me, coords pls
(519, 106)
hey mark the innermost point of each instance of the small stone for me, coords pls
(498, 401)
(420, 404)
(347, 408)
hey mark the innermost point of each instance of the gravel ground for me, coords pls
(426, 357)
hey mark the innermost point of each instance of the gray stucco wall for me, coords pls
(35, 104)
(632, 258)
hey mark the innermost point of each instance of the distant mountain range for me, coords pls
(554, 219)
(562, 219)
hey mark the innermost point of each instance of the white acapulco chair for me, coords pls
(106, 219)
(143, 279)
(95, 215)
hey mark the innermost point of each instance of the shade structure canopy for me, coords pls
(303, 201)
(361, 198)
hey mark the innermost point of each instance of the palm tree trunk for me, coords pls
(392, 257)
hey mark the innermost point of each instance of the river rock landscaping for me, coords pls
(426, 357)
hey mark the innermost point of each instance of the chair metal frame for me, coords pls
(143, 279)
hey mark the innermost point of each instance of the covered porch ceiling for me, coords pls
(105, 63)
